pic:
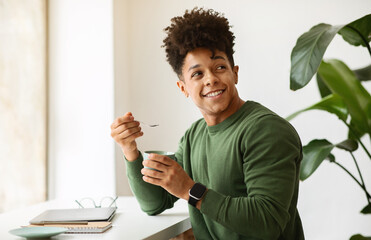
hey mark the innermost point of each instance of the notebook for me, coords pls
(89, 227)
(75, 215)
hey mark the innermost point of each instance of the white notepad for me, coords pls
(89, 227)
(75, 215)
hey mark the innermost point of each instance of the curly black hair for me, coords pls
(198, 28)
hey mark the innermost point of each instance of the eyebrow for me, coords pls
(217, 57)
(193, 67)
(198, 65)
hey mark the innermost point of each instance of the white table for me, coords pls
(129, 222)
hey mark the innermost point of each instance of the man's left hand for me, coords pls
(170, 175)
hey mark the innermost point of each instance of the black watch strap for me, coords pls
(192, 201)
(196, 193)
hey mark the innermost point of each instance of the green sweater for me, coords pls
(249, 163)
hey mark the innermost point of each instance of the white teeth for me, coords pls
(213, 94)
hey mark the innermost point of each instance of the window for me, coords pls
(23, 103)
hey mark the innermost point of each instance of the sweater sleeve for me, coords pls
(271, 157)
(152, 199)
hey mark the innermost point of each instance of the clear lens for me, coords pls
(87, 203)
(108, 202)
(90, 203)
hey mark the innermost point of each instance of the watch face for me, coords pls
(198, 190)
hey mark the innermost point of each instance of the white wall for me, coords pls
(81, 152)
(266, 31)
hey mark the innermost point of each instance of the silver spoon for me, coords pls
(149, 125)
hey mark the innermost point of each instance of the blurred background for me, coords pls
(68, 68)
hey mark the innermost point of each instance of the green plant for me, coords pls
(341, 90)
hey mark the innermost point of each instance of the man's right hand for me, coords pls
(124, 130)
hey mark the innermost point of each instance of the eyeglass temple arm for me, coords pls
(114, 200)
(79, 203)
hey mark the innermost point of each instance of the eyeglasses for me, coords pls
(90, 203)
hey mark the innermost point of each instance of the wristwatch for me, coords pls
(196, 193)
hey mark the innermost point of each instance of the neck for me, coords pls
(212, 120)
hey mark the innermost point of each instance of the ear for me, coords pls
(235, 72)
(181, 86)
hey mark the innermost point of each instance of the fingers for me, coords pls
(127, 131)
(158, 170)
(152, 173)
(155, 165)
(128, 117)
(124, 126)
(130, 136)
(173, 179)
(156, 177)
(152, 176)
(127, 128)
(151, 180)
(161, 158)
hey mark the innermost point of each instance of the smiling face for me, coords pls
(210, 81)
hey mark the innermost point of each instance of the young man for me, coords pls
(238, 166)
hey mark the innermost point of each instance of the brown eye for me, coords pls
(196, 74)
(221, 67)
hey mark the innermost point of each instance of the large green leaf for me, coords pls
(358, 32)
(342, 81)
(323, 89)
(332, 104)
(308, 52)
(356, 131)
(318, 150)
(310, 47)
(313, 155)
(362, 74)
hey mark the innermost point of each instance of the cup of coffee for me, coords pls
(165, 153)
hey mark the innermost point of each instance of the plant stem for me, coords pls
(362, 37)
(360, 175)
(358, 139)
(364, 147)
(355, 179)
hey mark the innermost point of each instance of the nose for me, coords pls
(211, 79)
